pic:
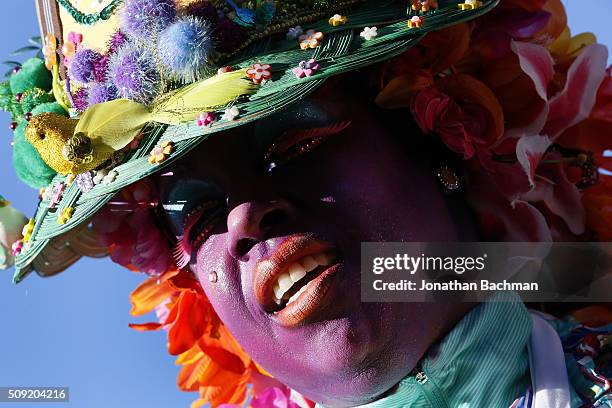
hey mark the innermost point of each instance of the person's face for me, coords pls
(291, 199)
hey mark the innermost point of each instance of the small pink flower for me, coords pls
(17, 247)
(274, 397)
(70, 47)
(58, 191)
(76, 38)
(306, 68)
(205, 118)
(259, 73)
(68, 51)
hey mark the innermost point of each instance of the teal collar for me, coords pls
(482, 362)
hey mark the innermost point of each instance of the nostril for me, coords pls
(244, 245)
(253, 222)
(273, 218)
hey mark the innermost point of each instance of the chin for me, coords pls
(342, 362)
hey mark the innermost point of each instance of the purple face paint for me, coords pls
(303, 220)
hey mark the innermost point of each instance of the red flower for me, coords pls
(463, 112)
(128, 227)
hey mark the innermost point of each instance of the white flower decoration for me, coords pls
(47, 193)
(369, 32)
(294, 32)
(231, 113)
(110, 177)
(12, 223)
(99, 176)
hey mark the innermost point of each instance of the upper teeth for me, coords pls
(296, 272)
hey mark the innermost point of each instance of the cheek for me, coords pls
(380, 194)
(230, 293)
(221, 284)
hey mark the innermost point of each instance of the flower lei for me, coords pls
(524, 104)
(527, 107)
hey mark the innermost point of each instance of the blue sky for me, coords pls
(71, 330)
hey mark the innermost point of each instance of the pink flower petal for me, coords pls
(274, 397)
(521, 221)
(576, 101)
(537, 63)
(561, 196)
(529, 152)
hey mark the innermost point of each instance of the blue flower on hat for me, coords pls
(184, 48)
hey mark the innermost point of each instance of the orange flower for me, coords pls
(592, 135)
(415, 70)
(192, 319)
(416, 22)
(311, 39)
(556, 24)
(445, 48)
(594, 316)
(514, 90)
(213, 363)
(50, 51)
(160, 153)
(152, 293)
(399, 92)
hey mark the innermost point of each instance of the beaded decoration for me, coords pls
(90, 19)
(279, 17)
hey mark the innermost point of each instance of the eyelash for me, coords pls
(298, 143)
(208, 214)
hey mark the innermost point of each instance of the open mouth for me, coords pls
(291, 284)
(295, 282)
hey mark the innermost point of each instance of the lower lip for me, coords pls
(313, 303)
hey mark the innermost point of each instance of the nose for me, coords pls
(252, 222)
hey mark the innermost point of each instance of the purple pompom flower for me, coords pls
(184, 47)
(100, 93)
(134, 73)
(143, 19)
(101, 69)
(80, 100)
(116, 41)
(83, 64)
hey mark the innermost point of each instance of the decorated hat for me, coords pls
(120, 89)
(128, 87)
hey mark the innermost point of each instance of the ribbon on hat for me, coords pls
(75, 146)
